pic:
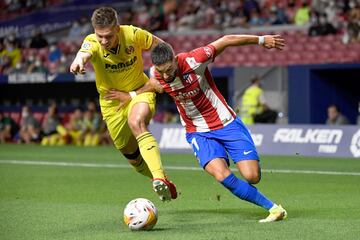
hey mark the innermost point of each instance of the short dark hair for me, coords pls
(162, 53)
(336, 107)
(104, 17)
(255, 79)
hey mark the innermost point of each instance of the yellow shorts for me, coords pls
(116, 122)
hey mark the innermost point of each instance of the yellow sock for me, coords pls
(95, 139)
(142, 167)
(45, 141)
(61, 130)
(87, 140)
(149, 150)
(53, 138)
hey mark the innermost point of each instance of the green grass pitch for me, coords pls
(79, 193)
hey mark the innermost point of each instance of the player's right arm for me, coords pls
(78, 65)
(267, 41)
(154, 85)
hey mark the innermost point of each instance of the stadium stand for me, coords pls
(210, 19)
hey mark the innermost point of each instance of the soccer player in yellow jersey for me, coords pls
(115, 52)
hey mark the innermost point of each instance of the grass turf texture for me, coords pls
(57, 202)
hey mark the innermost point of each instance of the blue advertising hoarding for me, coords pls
(286, 140)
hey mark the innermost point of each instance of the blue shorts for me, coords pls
(234, 139)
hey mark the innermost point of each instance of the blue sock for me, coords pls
(246, 191)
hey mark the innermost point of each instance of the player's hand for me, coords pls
(77, 66)
(122, 97)
(274, 41)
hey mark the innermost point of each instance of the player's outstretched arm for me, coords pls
(78, 65)
(267, 41)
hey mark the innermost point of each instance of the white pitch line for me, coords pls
(109, 165)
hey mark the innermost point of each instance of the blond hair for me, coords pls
(104, 17)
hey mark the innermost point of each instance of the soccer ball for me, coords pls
(140, 214)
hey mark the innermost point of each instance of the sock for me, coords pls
(246, 191)
(142, 167)
(87, 140)
(149, 150)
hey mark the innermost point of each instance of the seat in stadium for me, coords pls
(325, 46)
(39, 116)
(16, 116)
(280, 58)
(311, 47)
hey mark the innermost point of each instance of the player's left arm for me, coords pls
(267, 41)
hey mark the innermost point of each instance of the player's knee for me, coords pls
(134, 162)
(133, 158)
(252, 177)
(137, 124)
(220, 175)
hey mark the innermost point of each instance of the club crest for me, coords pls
(129, 49)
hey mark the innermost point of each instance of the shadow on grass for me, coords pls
(106, 227)
(230, 211)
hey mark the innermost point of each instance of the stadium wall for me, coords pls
(286, 140)
(300, 92)
(312, 88)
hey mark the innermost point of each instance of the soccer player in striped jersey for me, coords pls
(212, 127)
(115, 51)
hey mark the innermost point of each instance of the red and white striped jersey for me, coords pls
(201, 106)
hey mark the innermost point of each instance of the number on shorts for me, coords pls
(195, 144)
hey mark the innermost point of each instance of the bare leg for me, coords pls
(250, 170)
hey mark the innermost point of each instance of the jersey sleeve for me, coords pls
(142, 38)
(204, 54)
(89, 45)
(154, 74)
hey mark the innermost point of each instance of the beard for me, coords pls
(172, 77)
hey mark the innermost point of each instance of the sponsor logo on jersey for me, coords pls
(129, 49)
(120, 65)
(106, 55)
(186, 95)
(355, 144)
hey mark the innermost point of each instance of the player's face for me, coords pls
(167, 70)
(107, 37)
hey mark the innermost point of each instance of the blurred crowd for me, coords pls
(13, 8)
(42, 54)
(81, 127)
(324, 16)
(38, 54)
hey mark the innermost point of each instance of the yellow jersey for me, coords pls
(251, 104)
(120, 68)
